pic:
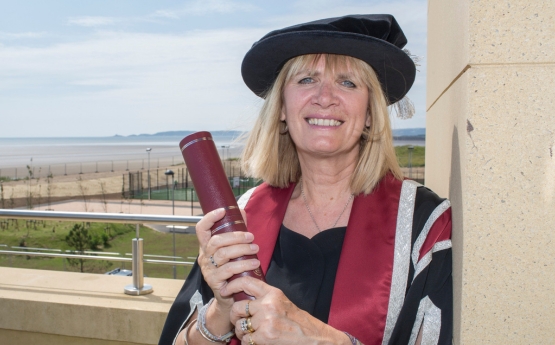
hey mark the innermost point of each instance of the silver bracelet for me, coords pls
(185, 339)
(353, 340)
(201, 327)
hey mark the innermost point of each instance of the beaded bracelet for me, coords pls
(201, 327)
(353, 340)
(185, 338)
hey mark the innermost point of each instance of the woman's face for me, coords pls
(325, 111)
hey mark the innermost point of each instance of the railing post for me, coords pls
(138, 287)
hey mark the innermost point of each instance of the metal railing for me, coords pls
(138, 287)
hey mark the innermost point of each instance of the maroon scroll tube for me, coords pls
(213, 191)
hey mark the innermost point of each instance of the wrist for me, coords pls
(213, 324)
(327, 335)
(218, 308)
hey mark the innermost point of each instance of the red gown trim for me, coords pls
(366, 264)
(440, 231)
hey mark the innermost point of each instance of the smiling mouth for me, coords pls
(324, 122)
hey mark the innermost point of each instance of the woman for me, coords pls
(351, 252)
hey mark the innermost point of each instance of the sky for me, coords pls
(105, 67)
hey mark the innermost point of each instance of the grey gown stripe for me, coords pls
(428, 317)
(401, 260)
(427, 258)
(195, 303)
(244, 199)
(439, 210)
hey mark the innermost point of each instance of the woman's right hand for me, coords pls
(222, 248)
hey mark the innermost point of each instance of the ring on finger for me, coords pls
(251, 342)
(247, 309)
(244, 327)
(249, 325)
(212, 261)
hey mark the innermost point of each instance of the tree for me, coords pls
(83, 191)
(103, 191)
(30, 194)
(78, 239)
(2, 194)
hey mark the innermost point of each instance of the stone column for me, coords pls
(491, 149)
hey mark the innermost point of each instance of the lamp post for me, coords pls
(225, 154)
(171, 173)
(148, 171)
(410, 160)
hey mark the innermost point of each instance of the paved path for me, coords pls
(158, 207)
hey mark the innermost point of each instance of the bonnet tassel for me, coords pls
(404, 108)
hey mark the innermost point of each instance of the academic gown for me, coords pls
(394, 272)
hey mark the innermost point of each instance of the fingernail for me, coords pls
(219, 211)
(249, 236)
(254, 247)
(255, 263)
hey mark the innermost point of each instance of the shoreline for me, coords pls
(69, 158)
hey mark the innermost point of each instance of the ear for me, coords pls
(282, 116)
(368, 119)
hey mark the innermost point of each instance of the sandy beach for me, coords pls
(91, 171)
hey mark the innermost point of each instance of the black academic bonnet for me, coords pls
(376, 39)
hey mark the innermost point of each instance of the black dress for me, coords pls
(304, 268)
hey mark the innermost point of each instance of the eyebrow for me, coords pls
(346, 76)
(313, 73)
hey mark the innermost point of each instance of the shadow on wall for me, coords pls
(456, 198)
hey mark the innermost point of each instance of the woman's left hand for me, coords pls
(274, 318)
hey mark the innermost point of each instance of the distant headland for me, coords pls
(398, 134)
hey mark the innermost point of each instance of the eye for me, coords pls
(348, 83)
(306, 80)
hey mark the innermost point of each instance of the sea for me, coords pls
(54, 156)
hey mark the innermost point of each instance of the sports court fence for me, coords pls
(63, 169)
(137, 186)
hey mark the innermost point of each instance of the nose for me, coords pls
(325, 95)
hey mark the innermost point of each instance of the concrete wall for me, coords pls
(491, 149)
(47, 307)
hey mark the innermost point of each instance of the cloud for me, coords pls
(8, 36)
(128, 83)
(90, 21)
(134, 82)
(205, 7)
(165, 14)
(194, 8)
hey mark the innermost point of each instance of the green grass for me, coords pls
(51, 234)
(418, 154)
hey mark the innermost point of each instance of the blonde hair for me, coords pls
(272, 157)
